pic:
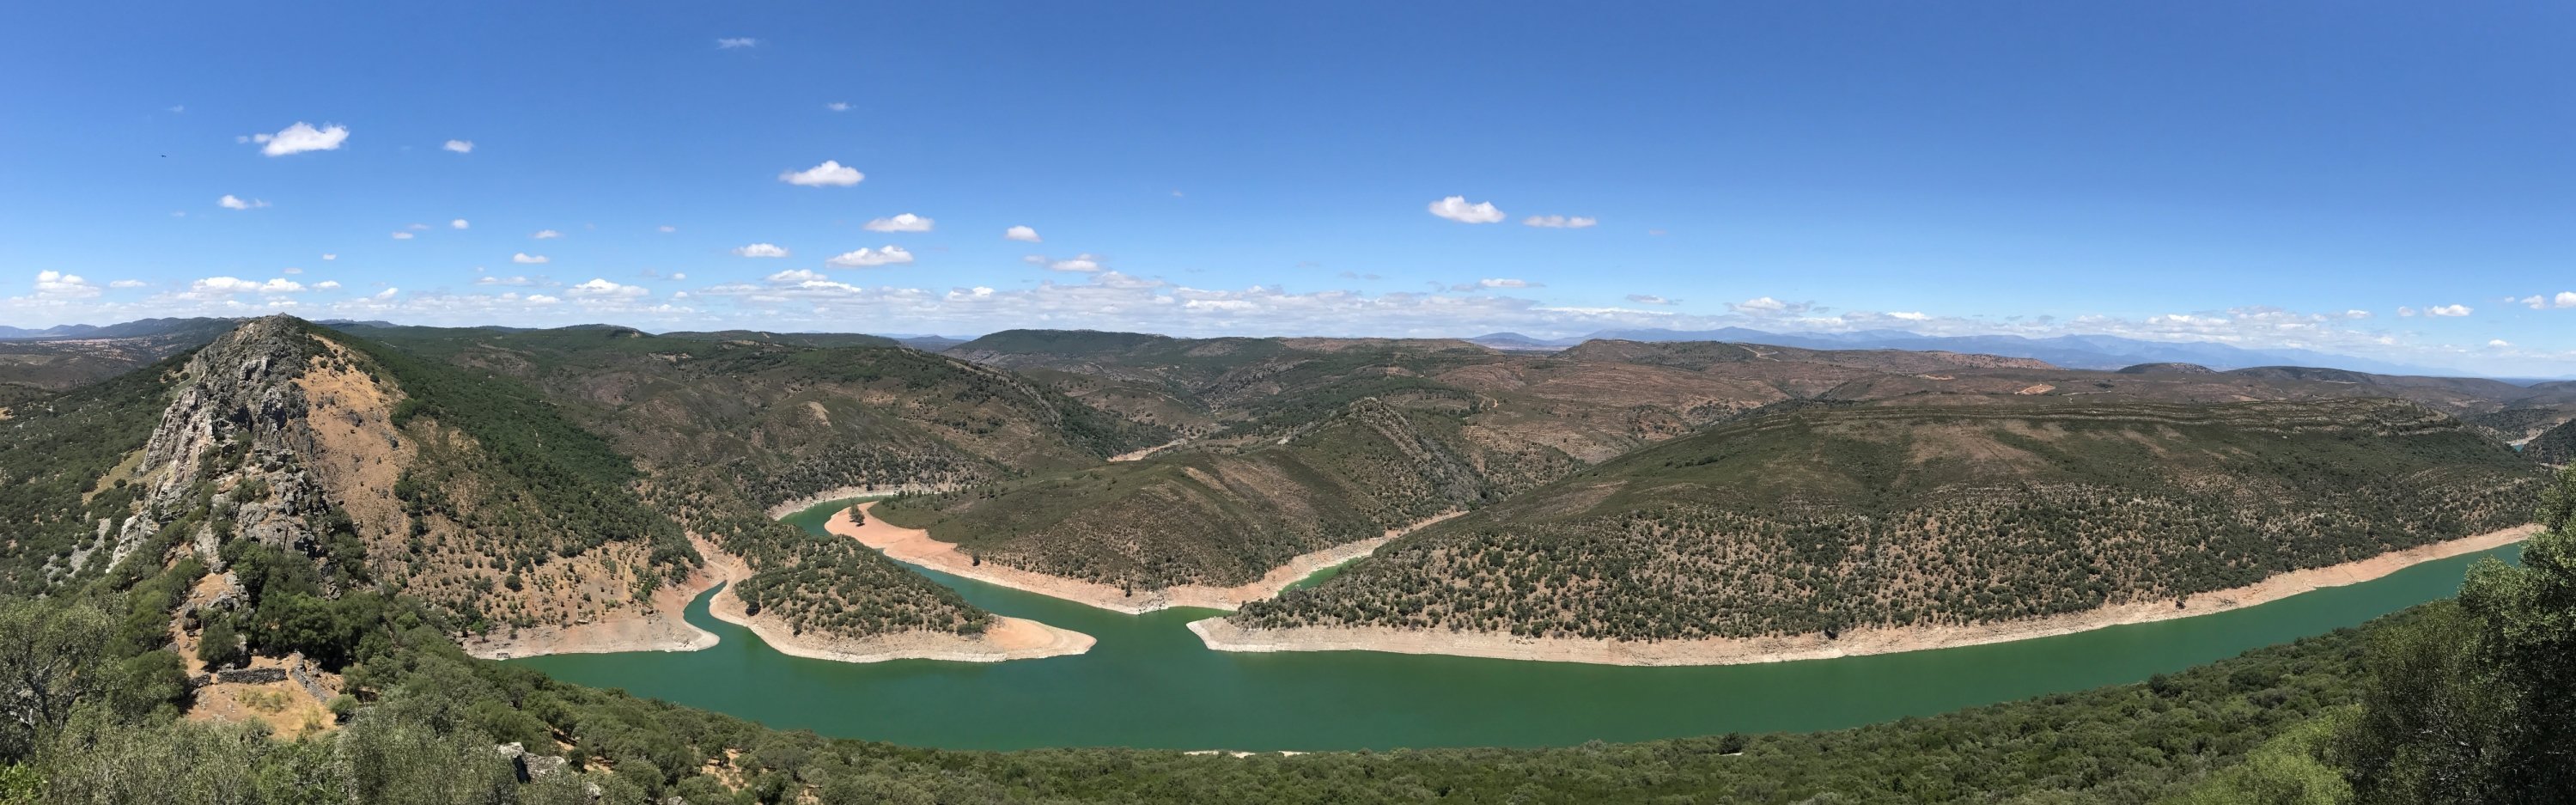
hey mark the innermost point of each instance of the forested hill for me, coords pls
(319, 475)
(779, 422)
(1902, 512)
(2555, 446)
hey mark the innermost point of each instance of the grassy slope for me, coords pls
(1829, 518)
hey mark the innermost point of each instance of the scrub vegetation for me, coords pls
(2451, 702)
(1830, 518)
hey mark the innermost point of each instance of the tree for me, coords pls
(220, 647)
(50, 654)
(2471, 704)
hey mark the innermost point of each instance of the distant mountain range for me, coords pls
(133, 329)
(2070, 351)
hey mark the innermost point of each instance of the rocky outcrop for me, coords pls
(230, 440)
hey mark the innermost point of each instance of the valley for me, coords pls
(1079, 539)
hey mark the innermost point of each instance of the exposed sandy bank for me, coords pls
(658, 628)
(1222, 635)
(1008, 639)
(848, 492)
(916, 546)
(663, 629)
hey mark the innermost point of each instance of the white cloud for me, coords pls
(417, 227)
(837, 106)
(2534, 301)
(233, 202)
(906, 222)
(1767, 306)
(492, 280)
(460, 146)
(290, 270)
(2564, 299)
(542, 299)
(1085, 263)
(1022, 234)
(459, 223)
(1559, 222)
(387, 293)
(1649, 299)
(58, 285)
(1457, 209)
(327, 285)
(301, 137)
(678, 275)
(225, 286)
(524, 257)
(761, 250)
(127, 284)
(1909, 316)
(795, 275)
(2447, 310)
(829, 174)
(2498, 343)
(731, 42)
(402, 236)
(1506, 283)
(2356, 314)
(330, 256)
(2406, 311)
(178, 109)
(871, 258)
(546, 234)
(603, 289)
(666, 229)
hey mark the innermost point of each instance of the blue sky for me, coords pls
(2328, 176)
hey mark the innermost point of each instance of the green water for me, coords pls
(1149, 683)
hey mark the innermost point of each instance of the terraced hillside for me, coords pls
(1831, 517)
(331, 473)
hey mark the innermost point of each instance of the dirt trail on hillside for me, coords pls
(1222, 635)
(917, 547)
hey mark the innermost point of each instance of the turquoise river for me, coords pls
(1149, 683)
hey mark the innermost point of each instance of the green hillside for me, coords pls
(1225, 517)
(1827, 518)
(2555, 446)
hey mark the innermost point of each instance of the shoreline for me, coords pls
(917, 547)
(665, 628)
(662, 628)
(1221, 635)
(780, 511)
(1007, 639)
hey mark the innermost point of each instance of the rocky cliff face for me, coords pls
(231, 442)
